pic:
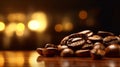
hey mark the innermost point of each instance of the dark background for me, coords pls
(105, 12)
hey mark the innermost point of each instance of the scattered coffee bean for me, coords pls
(67, 53)
(113, 50)
(82, 53)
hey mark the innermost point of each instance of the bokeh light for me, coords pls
(32, 61)
(68, 26)
(20, 27)
(2, 60)
(83, 14)
(34, 25)
(15, 59)
(10, 29)
(16, 17)
(2, 26)
(38, 22)
(58, 27)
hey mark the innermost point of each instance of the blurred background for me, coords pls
(29, 24)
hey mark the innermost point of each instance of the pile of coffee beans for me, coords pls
(85, 43)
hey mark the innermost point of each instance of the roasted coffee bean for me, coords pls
(61, 47)
(64, 40)
(98, 45)
(40, 51)
(78, 35)
(111, 40)
(72, 40)
(113, 50)
(97, 54)
(67, 53)
(87, 46)
(50, 52)
(86, 32)
(49, 45)
(105, 33)
(95, 38)
(82, 53)
(77, 44)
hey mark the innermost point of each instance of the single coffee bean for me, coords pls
(64, 40)
(50, 52)
(76, 43)
(105, 33)
(99, 45)
(87, 46)
(113, 50)
(97, 54)
(111, 40)
(86, 32)
(40, 51)
(67, 53)
(95, 38)
(82, 53)
(49, 45)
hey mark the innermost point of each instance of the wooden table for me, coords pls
(33, 59)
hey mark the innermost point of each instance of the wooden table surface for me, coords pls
(33, 59)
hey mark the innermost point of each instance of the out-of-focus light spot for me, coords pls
(16, 17)
(42, 64)
(112, 64)
(34, 25)
(68, 26)
(2, 60)
(2, 26)
(83, 14)
(19, 59)
(65, 63)
(39, 16)
(10, 29)
(58, 28)
(20, 27)
(32, 61)
(38, 22)
(15, 59)
(90, 22)
(112, 46)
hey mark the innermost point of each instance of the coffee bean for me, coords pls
(82, 53)
(113, 50)
(105, 33)
(67, 53)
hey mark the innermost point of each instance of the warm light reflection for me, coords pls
(2, 26)
(15, 58)
(32, 60)
(38, 22)
(112, 64)
(19, 59)
(68, 26)
(2, 60)
(83, 14)
(20, 27)
(42, 64)
(16, 17)
(65, 63)
(34, 25)
(10, 29)
(58, 28)
(112, 46)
